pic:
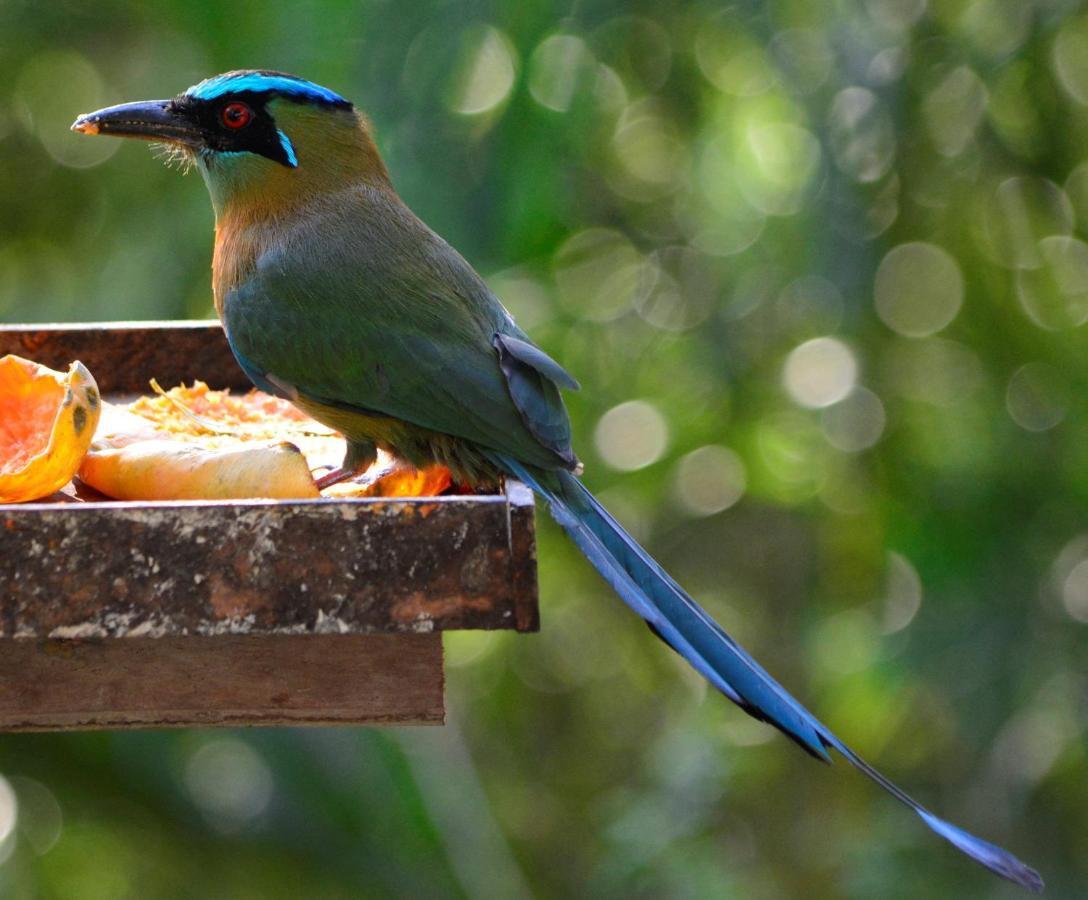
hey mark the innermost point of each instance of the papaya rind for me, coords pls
(70, 435)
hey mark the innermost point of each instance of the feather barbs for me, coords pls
(262, 81)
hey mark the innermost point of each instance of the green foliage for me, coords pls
(821, 269)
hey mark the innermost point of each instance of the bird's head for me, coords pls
(253, 134)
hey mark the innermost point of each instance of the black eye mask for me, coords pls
(260, 135)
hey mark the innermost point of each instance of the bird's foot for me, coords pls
(334, 476)
(364, 477)
(358, 466)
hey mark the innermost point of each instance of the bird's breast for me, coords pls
(240, 240)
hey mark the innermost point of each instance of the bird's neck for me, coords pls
(244, 233)
(261, 205)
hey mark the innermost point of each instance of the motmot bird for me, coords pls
(335, 296)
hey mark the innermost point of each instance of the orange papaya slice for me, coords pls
(47, 422)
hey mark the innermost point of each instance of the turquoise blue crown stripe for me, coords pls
(260, 83)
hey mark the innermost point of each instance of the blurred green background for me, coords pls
(821, 269)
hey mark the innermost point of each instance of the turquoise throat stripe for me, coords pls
(289, 149)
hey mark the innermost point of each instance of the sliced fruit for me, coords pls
(47, 422)
(198, 443)
(175, 470)
(390, 478)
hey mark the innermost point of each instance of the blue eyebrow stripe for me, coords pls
(258, 82)
(288, 148)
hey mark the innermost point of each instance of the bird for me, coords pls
(335, 296)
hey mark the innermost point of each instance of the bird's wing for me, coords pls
(422, 341)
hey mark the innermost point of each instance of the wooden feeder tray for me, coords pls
(256, 612)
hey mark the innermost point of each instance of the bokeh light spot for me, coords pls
(40, 817)
(230, 782)
(856, 422)
(846, 643)
(609, 90)
(883, 209)
(488, 71)
(731, 60)
(709, 480)
(820, 372)
(1021, 212)
(730, 224)
(781, 161)
(902, 594)
(1037, 398)
(1055, 294)
(1076, 189)
(919, 289)
(1075, 592)
(9, 809)
(682, 290)
(1027, 748)
(638, 48)
(560, 66)
(631, 436)
(1072, 592)
(52, 89)
(528, 301)
(600, 274)
(654, 160)
(995, 28)
(795, 455)
(805, 56)
(465, 648)
(954, 110)
(887, 66)
(861, 134)
(1070, 58)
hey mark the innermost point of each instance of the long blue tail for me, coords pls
(651, 592)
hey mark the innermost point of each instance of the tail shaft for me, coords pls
(652, 593)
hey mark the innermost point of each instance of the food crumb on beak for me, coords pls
(85, 126)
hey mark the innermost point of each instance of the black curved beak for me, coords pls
(149, 120)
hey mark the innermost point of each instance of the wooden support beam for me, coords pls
(227, 680)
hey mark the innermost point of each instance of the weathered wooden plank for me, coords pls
(125, 356)
(225, 680)
(522, 531)
(94, 570)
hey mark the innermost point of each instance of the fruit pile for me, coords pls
(188, 443)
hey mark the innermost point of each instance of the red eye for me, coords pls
(236, 115)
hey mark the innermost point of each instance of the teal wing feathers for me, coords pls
(533, 379)
(417, 337)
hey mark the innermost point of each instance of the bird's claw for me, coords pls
(340, 475)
